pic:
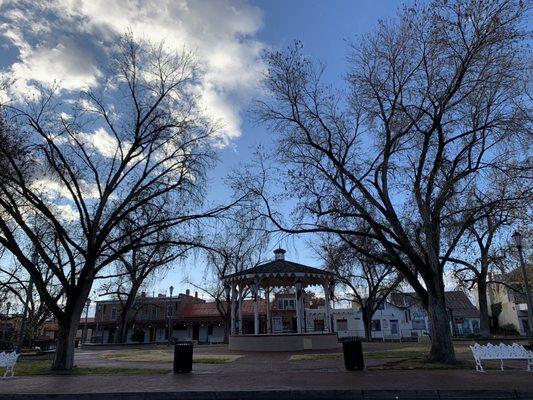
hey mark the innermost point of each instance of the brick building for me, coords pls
(183, 317)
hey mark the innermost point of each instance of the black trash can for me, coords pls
(353, 354)
(183, 357)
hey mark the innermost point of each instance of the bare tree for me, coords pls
(433, 98)
(15, 281)
(138, 267)
(485, 247)
(368, 283)
(138, 143)
(238, 243)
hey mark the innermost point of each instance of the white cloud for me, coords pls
(65, 40)
(57, 190)
(103, 142)
(66, 212)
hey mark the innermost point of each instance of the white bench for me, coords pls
(500, 352)
(216, 339)
(8, 361)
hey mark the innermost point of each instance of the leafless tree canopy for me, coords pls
(236, 243)
(366, 282)
(136, 146)
(434, 101)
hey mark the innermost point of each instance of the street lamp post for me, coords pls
(85, 332)
(171, 289)
(6, 317)
(22, 331)
(29, 290)
(517, 237)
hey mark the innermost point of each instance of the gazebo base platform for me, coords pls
(284, 342)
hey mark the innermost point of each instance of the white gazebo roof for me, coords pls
(280, 272)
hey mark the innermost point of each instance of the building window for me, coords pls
(169, 310)
(288, 304)
(114, 313)
(318, 325)
(419, 324)
(376, 325)
(342, 325)
(143, 313)
(154, 312)
(381, 306)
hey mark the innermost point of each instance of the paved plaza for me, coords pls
(267, 371)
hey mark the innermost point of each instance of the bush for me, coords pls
(510, 329)
(137, 336)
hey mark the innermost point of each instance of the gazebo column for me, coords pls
(302, 307)
(298, 305)
(255, 291)
(233, 298)
(241, 291)
(267, 304)
(327, 325)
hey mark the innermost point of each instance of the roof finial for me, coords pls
(279, 254)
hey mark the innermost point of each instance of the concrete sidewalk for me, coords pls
(290, 395)
(220, 381)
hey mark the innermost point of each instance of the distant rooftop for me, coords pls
(456, 300)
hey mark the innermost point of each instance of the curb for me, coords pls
(287, 395)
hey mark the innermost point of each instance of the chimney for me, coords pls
(188, 292)
(279, 254)
(196, 294)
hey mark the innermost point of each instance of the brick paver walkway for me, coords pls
(265, 371)
(255, 380)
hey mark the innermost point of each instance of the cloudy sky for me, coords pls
(67, 41)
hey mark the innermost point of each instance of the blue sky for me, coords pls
(325, 28)
(67, 40)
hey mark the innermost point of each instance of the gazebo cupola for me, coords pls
(279, 254)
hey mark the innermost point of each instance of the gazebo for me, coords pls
(275, 274)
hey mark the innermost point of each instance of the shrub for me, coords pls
(510, 329)
(137, 336)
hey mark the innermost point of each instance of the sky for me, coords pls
(68, 40)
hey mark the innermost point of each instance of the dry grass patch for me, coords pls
(163, 356)
(315, 357)
(42, 367)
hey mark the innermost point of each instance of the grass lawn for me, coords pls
(42, 367)
(408, 357)
(163, 356)
(315, 357)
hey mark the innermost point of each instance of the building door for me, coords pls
(195, 332)
(394, 327)
(277, 324)
(111, 337)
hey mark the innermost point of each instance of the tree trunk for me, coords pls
(441, 339)
(484, 326)
(68, 325)
(66, 341)
(367, 322)
(125, 317)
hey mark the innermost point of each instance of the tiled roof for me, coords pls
(460, 305)
(209, 310)
(456, 300)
